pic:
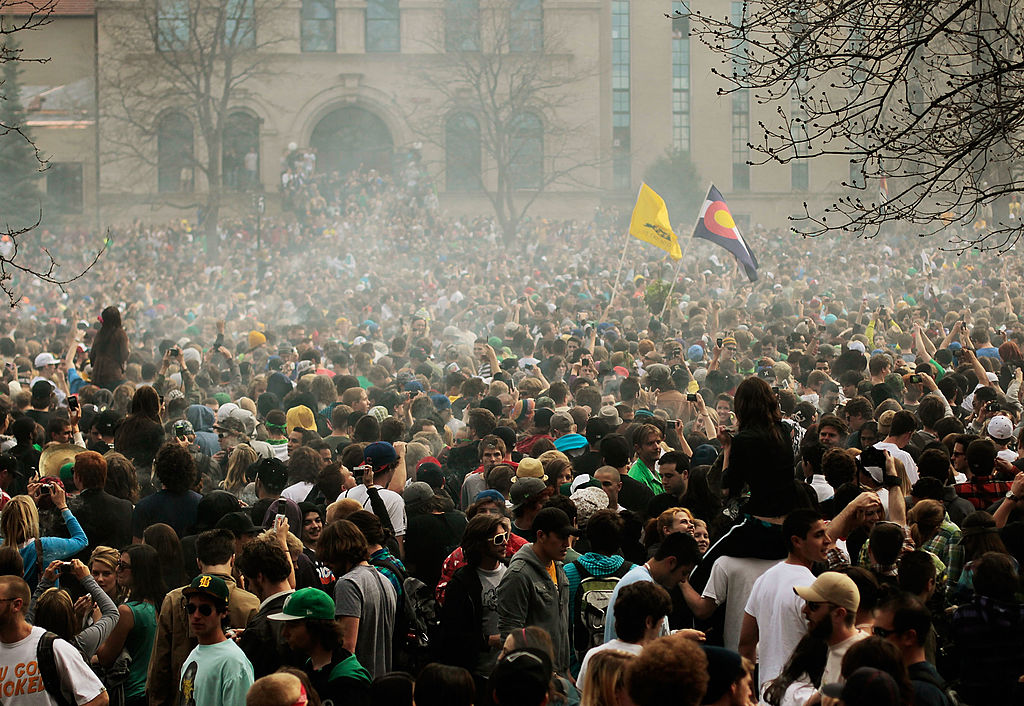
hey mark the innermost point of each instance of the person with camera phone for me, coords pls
(19, 525)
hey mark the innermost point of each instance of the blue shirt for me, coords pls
(637, 573)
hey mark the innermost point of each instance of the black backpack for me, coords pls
(47, 663)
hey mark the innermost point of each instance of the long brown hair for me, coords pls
(757, 406)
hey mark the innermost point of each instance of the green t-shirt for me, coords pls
(139, 645)
(215, 674)
(640, 472)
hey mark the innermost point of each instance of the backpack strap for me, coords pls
(581, 571)
(47, 663)
(379, 508)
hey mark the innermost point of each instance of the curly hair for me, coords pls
(122, 480)
(304, 465)
(671, 669)
(175, 467)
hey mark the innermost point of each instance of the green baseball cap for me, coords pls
(306, 603)
(208, 585)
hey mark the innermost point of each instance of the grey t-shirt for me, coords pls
(364, 593)
(489, 581)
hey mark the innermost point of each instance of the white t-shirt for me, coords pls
(908, 461)
(392, 501)
(21, 683)
(780, 622)
(298, 492)
(731, 582)
(614, 644)
(836, 652)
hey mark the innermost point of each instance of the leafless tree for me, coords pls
(925, 98)
(196, 58)
(493, 74)
(21, 162)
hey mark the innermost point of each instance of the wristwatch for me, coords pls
(890, 481)
(1011, 497)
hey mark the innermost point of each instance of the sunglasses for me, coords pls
(882, 632)
(205, 609)
(813, 606)
(500, 539)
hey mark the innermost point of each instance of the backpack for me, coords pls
(590, 606)
(47, 663)
(418, 624)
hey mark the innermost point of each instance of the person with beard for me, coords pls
(830, 608)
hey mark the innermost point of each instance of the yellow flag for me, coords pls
(650, 222)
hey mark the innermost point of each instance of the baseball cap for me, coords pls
(552, 519)
(208, 585)
(561, 421)
(230, 424)
(238, 523)
(524, 489)
(521, 677)
(856, 346)
(42, 388)
(1000, 427)
(417, 491)
(44, 359)
(306, 603)
(380, 454)
(831, 587)
(866, 685)
(183, 426)
(272, 472)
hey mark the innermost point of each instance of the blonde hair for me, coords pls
(242, 456)
(294, 545)
(105, 555)
(606, 678)
(20, 521)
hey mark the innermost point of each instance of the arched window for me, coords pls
(462, 153)
(526, 26)
(382, 25)
(240, 158)
(462, 25)
(175, 166)
(319, 25)
(526, 151)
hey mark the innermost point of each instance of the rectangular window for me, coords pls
(239, 24)
(382, 26)
(64, 186)
(681, 83)
(621, 116)
(740, 140)
(462, 25)
(172, 25)
(318, 26)
(526, 23)
(857, 178)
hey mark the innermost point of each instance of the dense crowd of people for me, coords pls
(392, 456)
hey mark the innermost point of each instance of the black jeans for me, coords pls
(750, 539)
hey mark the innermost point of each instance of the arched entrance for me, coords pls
(349, 137)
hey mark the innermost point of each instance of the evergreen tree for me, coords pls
(20, 165)
(675, 179)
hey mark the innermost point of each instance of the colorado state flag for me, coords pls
(717, 225)
(650, 222)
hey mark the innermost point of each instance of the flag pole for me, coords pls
(618, 275)
(671, 288)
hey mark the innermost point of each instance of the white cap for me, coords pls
(1001, 428)
(856, 346)
(44, 359)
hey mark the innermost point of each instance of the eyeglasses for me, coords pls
(121, 566)
(206, 610)
(499, 539)
(882, 632)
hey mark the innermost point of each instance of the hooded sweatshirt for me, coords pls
(527, 596)
(201, 418)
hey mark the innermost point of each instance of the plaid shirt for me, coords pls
(945, 538)
(864, 559)
(982, 491)
(391, 567)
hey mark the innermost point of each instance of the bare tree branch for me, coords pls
(924, 96)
